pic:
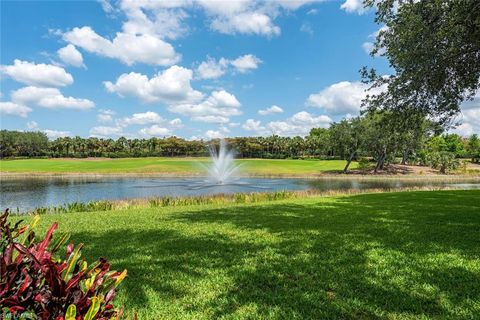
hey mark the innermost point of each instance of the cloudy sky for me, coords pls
(194, 69)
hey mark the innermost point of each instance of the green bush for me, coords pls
(443, 161)
(364, 163)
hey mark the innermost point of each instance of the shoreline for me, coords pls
(221, 199)
(312, 176)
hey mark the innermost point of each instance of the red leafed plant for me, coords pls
(34, 285)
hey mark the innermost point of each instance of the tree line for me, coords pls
(383, 137)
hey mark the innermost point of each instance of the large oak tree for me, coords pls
(433, 46)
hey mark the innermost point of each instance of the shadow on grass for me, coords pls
(358, 257)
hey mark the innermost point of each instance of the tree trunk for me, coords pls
(380, 162)
(405, 157)
(352, 155)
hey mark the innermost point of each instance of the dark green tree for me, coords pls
(473, 148)
(433, 46)
(347, 137)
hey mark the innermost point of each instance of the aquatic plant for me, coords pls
(90, 206)
(34, 285)
(222, 199)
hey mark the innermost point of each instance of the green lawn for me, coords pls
(164, 165)
(404, 255)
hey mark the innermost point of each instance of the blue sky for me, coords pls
(194, 69)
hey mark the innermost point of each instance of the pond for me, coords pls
(27, 194)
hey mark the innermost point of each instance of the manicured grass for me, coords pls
(292, 167)
(404, 255)
(164, 166)
(124, 165)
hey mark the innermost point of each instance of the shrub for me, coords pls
(364, 163)
(34, 285)
(443, 161)
(421, 158)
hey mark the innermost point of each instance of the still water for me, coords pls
(27, 194)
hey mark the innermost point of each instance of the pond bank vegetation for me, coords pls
(217, 199)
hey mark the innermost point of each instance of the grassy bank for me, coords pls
(166, 166)
(404, 255)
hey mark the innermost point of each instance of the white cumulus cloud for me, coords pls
(170, 86)
(158, 126)
(165, 18)
(369, 45)
(212, 69)
(14, 109)
(41, 75)
(246, 23)
(163, 128)
(341, 98)
(32, 125)
(50, 98)
(214, 134)
(54, 134)
(156, 131)
(353, 6)
(271, 110)
(105, 116)
(299, 124)
(217, 108)
(126, 47)
(244, 17)
(140, 119)
(71, 56)
(469, 118)
(253, 125)
(246, 63)
(160, 18)
(105, 131)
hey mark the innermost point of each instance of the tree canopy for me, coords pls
(433, 47)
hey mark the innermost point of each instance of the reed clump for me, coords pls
(222, 199)
(91, 206)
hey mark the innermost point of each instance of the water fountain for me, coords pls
(221, 174)
(223, 168)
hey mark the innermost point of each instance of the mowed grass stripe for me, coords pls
(165, 165)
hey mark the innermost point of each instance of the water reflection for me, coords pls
(30, 193)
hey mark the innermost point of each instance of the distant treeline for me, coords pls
(379, 137)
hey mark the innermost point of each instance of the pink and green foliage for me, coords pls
(35, 285)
